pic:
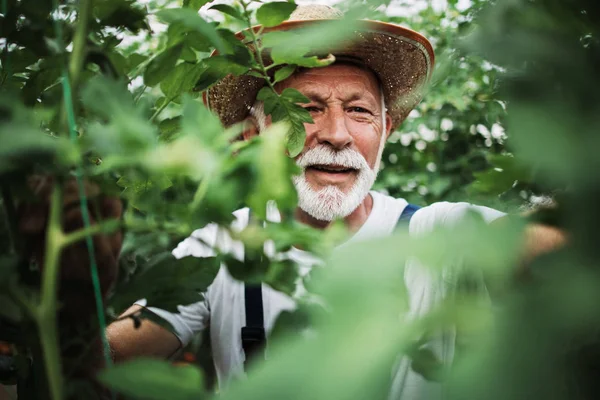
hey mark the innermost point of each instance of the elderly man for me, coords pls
(355, 104)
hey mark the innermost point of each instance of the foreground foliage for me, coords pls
(142, 132)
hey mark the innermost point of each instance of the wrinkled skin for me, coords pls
(347, 112)
(346, 109)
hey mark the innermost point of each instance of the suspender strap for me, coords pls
(406, 215)
(253, 334)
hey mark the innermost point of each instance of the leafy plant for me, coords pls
(89, 92)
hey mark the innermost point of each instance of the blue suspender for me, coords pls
(406, 215)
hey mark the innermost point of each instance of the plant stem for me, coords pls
(200, 193)
(137, 98)
(78, 54)
(258, 56)
(160, 109)
(103, 227)
(47, 310)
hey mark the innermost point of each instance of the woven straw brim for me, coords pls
(401, 58)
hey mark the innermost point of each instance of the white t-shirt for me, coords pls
(223, 307)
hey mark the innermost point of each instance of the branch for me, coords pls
(79, 41)
(46, 316)
(107, 226)
(258, 47)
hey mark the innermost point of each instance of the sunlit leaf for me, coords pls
(284, 73)
(271, 14)
(229, 10)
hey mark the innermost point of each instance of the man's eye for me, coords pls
(311, 108)
(359, 110)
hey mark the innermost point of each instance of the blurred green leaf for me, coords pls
(274, 173)
(154, 380)
(199, 122)
(162, 65)
(193, 21)
(181, 282)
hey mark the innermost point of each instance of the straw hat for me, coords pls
(401, 58)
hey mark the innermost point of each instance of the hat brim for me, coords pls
(401, 58)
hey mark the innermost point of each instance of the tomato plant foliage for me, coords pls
(511, 114)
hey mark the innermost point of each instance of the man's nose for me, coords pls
(334, 130)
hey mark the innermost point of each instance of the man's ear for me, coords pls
(250, 128)
(388, 124)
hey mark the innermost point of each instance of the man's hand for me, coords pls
(76, 290)
(538, 239)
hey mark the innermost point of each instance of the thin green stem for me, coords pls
(79, 40)
(200, 193)
(160, 109)
(259, 48)
(142, 90)
(46, 315)
(103, 227)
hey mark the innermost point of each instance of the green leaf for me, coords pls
(294, 96)
(319, 38)
(169, 129)
(121, 13)
(274, 172)
(272, 14)
(24, 145)
(135, 59)
(218, 67)
(195, 4)
(181, 282)
(188, 54)
(123, 128)
(162, 65)
(182, 79)
(198, 121)
(229, 10)
(287, 55)
(284, 108)
(141, 186)
(192, 20)
(151, 379)
(284, 73)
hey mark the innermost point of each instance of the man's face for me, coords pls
(343, 146)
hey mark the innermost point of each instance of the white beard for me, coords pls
(330, 202)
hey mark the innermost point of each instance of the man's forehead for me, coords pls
(336, 73)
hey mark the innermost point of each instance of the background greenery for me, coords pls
(512, 114)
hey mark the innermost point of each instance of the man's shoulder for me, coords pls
(446, 213)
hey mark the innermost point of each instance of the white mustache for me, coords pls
(325, 155)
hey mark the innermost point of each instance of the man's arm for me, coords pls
(148, 339)
(537, 240)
